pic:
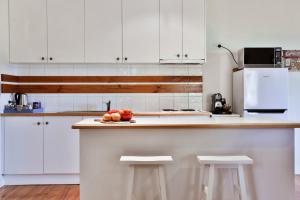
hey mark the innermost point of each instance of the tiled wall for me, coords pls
(137, 102)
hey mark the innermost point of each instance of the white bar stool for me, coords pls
(156, 161)
(237, 162)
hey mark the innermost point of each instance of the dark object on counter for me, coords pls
(219, 105)
(169, 110)
(108, 105)
(216, 105)
(37, 105)
(21, 99)
(188, 110)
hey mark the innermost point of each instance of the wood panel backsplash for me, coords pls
(101, 84)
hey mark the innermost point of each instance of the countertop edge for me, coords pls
(207, 126)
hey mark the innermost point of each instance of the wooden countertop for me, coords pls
(196, 122)
(93, 114)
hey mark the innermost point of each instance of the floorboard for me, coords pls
(40, 192)
(62, 192)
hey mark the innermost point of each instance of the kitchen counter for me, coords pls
(190, 122)
(269, 143)
(93, 113)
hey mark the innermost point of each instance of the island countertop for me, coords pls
(190, 122)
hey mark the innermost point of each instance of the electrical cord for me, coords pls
(221, 46)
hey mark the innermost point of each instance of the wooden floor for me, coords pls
(60, 192)
(47, 192)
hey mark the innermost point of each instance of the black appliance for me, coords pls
(217, 103)
(257, 57)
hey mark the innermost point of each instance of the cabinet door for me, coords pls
(103, 31)
(23, 145)
(170, 31)
(141, 31)
(61, 145)
(28, 31)
(65, 31)
(194, 31)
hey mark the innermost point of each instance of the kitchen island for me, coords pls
(269, 143)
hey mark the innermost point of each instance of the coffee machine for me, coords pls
(217, 103)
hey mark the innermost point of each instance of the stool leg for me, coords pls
(162, 183)
(211, 179)
(242, 182)
(130, 183)
(203, 187)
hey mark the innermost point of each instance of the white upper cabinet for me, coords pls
(65, 31)
(141, 31)
(194, 31)
(107, 31)
(61, 145)
(28, 31)
(182, 31)
(170, 30)
(23, 145)
(103, 31)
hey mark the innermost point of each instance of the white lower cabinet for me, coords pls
(61, 145)
(41, 145)
(23, 145)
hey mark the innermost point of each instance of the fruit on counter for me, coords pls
(116, 117)
(126, 115)
(113, 111)
(107, 117)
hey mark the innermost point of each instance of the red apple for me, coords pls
(126, 115)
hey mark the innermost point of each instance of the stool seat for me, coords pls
(146, 160)
(153, 161)
(227, 160)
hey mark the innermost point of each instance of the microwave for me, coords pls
(257, 57)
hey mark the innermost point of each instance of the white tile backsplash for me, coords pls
(95, 103)
(51, 103)
(137, 102)
(81, 102)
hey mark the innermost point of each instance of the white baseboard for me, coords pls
(2, 183)
(41, 179)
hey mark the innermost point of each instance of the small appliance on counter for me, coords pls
(19, 104)
(219, 105)
(260, 57)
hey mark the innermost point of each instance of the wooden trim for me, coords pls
(236, 69)
(9, 78)
(99, 79)
(105, 88)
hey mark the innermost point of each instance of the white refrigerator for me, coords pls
(294, 112)
(261, 92)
